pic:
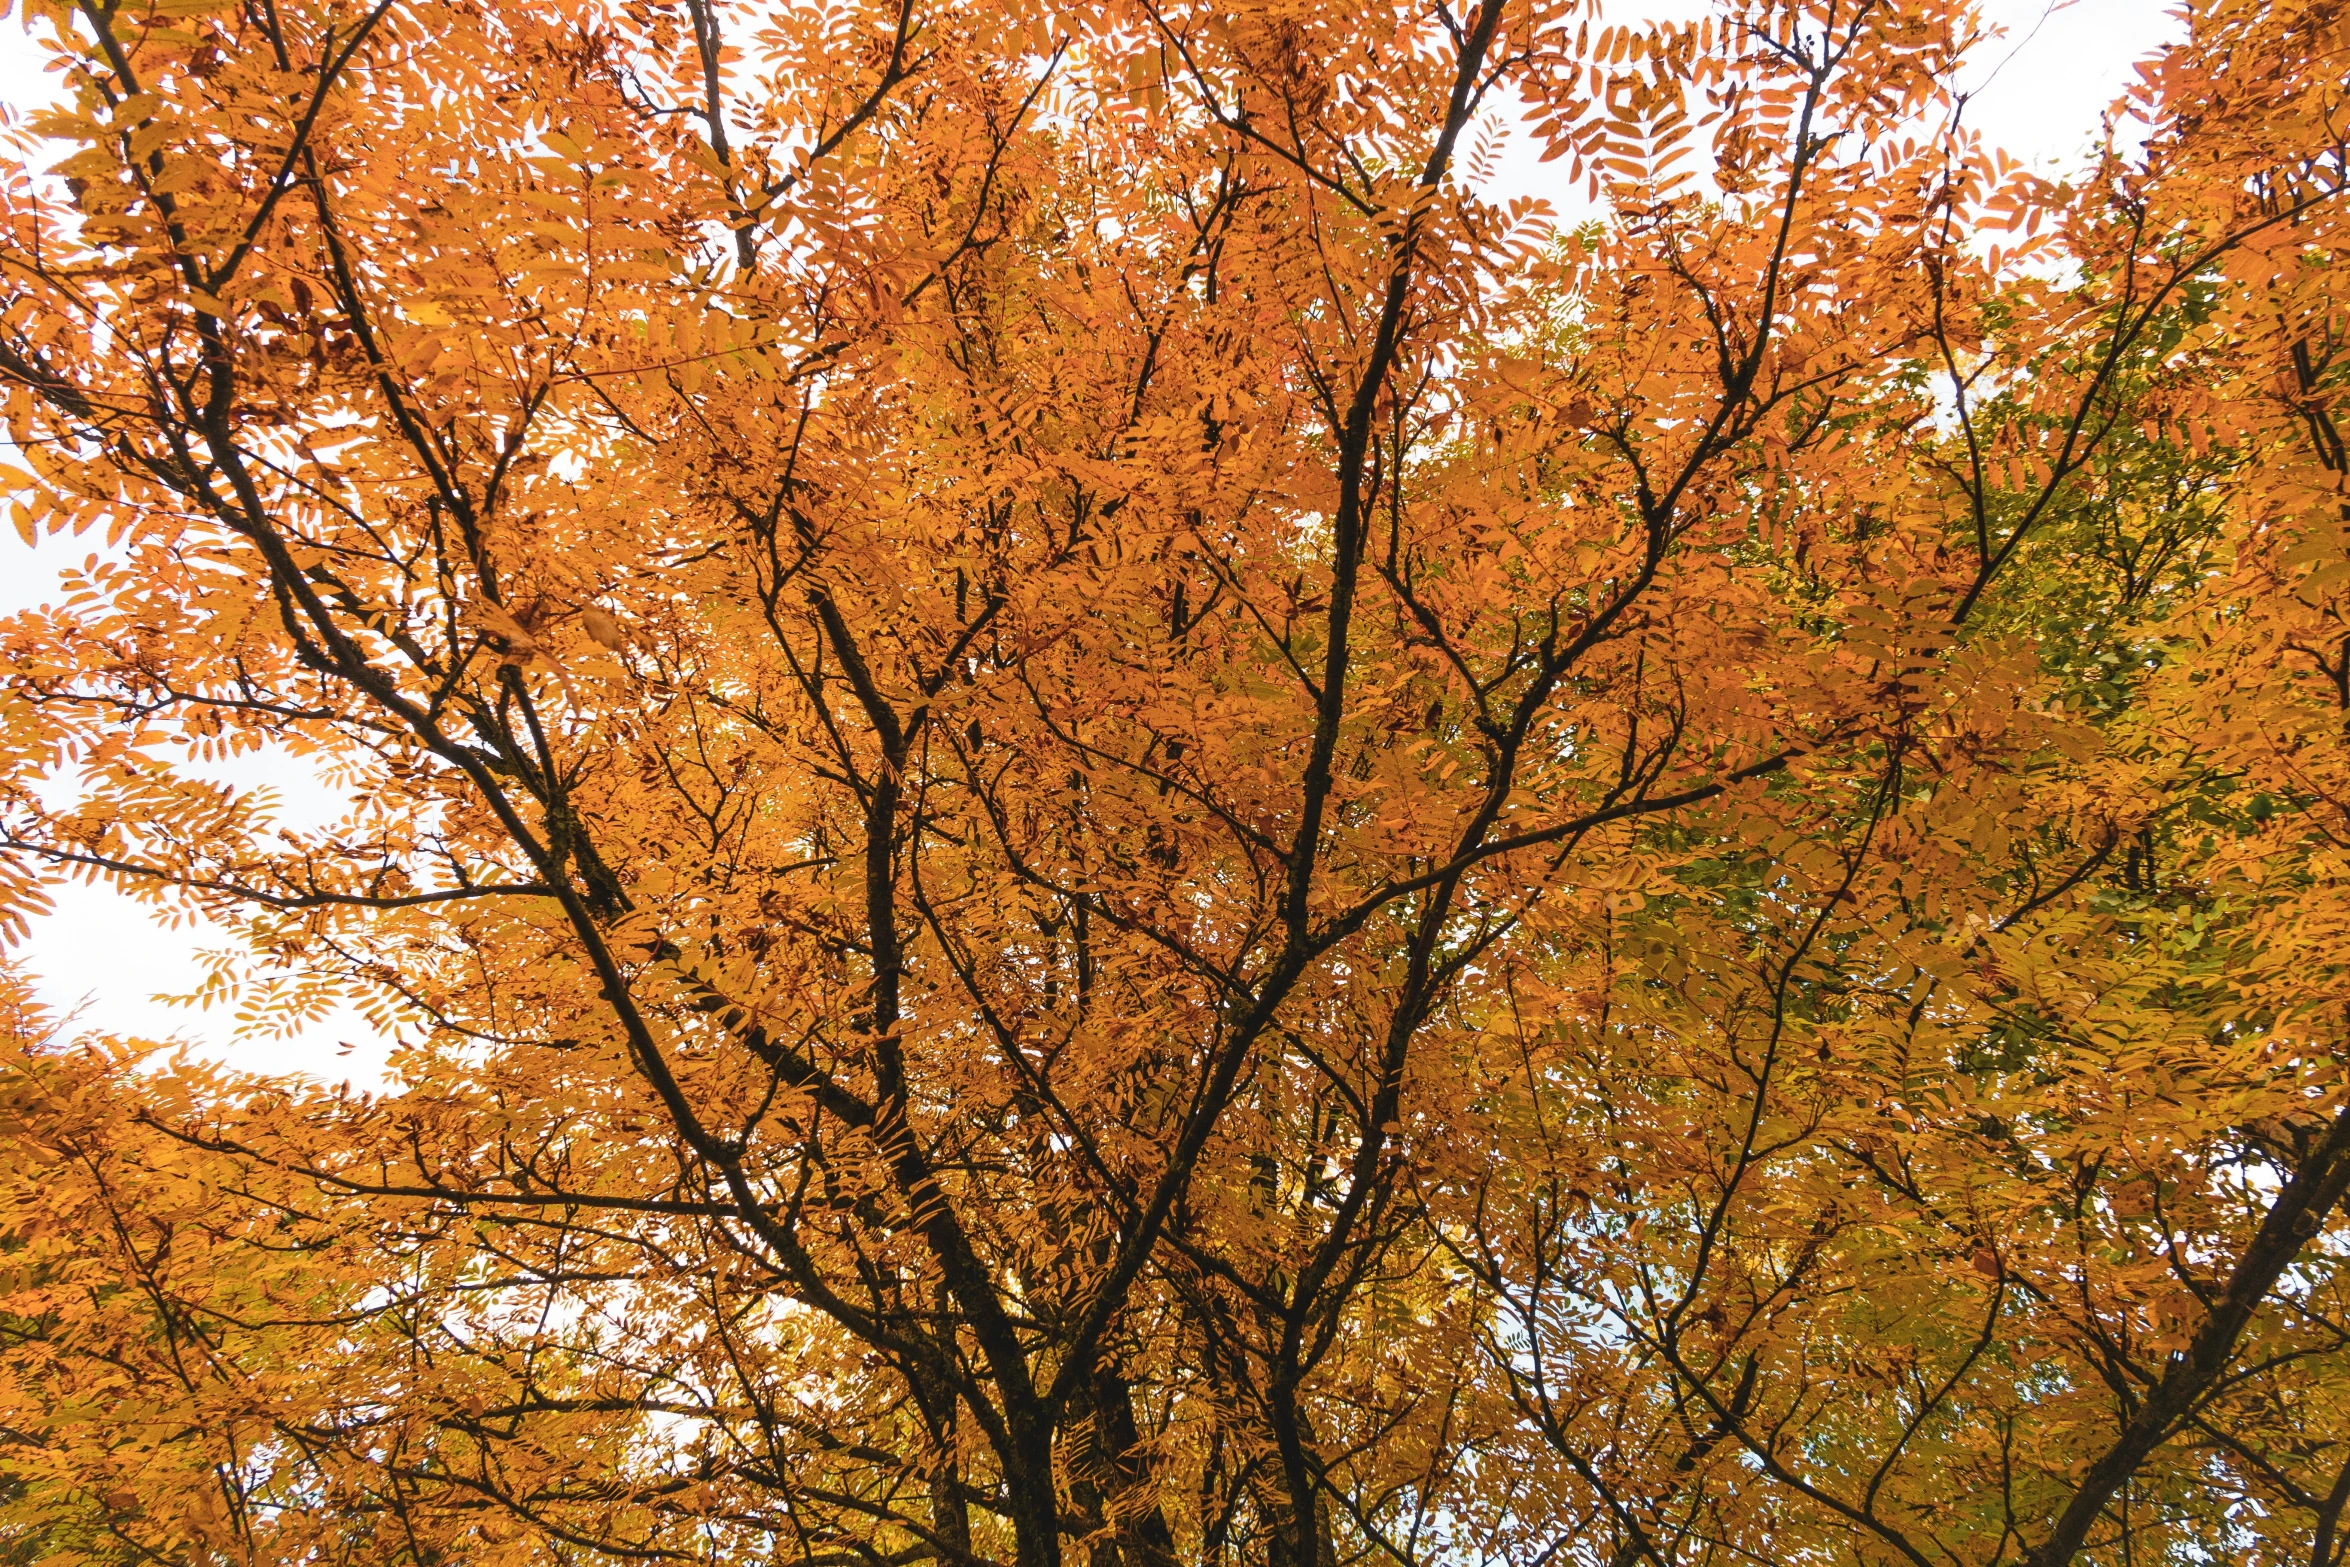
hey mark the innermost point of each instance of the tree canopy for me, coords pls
(1101, 825)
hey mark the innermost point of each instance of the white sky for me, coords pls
(2038, 92)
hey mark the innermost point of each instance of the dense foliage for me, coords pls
(1102, 826)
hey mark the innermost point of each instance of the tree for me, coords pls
(1102, 825)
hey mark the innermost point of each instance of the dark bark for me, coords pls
(2300, 1213)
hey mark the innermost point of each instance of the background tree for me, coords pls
(1101, 824)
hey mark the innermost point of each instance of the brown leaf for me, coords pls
(602, 629)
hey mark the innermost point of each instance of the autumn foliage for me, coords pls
(1103, 826)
